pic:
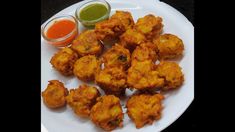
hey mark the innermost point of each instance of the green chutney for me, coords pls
(93, 12)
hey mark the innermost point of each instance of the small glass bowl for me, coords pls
(65, 40)
(91, 24)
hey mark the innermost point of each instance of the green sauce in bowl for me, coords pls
(92, 12)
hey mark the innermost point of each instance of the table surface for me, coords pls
(186, 7)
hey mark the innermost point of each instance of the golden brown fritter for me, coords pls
(112, 80)
(169, 46)
(117, 56)
(125, 17)
(86, 67)
(109, 29)
(54, 95)
(144, 108)
(146, 51)
(115, 26)
(144, 76)
(87, 44)
(82, 99)
(107, 113)
(150, 25)
(63, 61)
(172, 74)
(132, 38)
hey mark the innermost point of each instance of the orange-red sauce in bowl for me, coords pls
(60, 31)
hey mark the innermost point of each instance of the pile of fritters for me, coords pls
(129, 63)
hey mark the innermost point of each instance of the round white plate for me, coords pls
(176, 102)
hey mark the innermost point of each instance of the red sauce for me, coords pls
(60, 29)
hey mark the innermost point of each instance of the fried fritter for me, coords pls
(54, 95)
(132, 38)
(86, 67)
(87, 44)
(150, 25)
(107, 113)
(82, 99)
(117, 56)
(144, 108)
(112, 80)
(125, 17)
(172, 74)
(63, 61)
(144, 76)
(109, 29)
(169, 46)
(146, 51)
(115, 26)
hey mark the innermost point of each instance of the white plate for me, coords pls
(176, 102)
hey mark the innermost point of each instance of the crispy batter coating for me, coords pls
(54, 95)
(125, 17)
(146, 51)
(112, 80)
(86, 67)
(63, 61)
(129, 63)
(144, 108)
(150, 25)
(82, 99)
(172, 74)
(107, 113)
(169, 46)
(144, 76)
(109, 29)
(87, 44)
(115, 26)
(132, 38)
(117, 56)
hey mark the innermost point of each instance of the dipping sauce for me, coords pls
(92, 12)
(60, 31)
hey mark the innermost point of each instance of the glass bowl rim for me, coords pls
(93, 1)
(61, 38)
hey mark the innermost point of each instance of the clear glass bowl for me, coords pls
(65, 40)
(91, 24)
